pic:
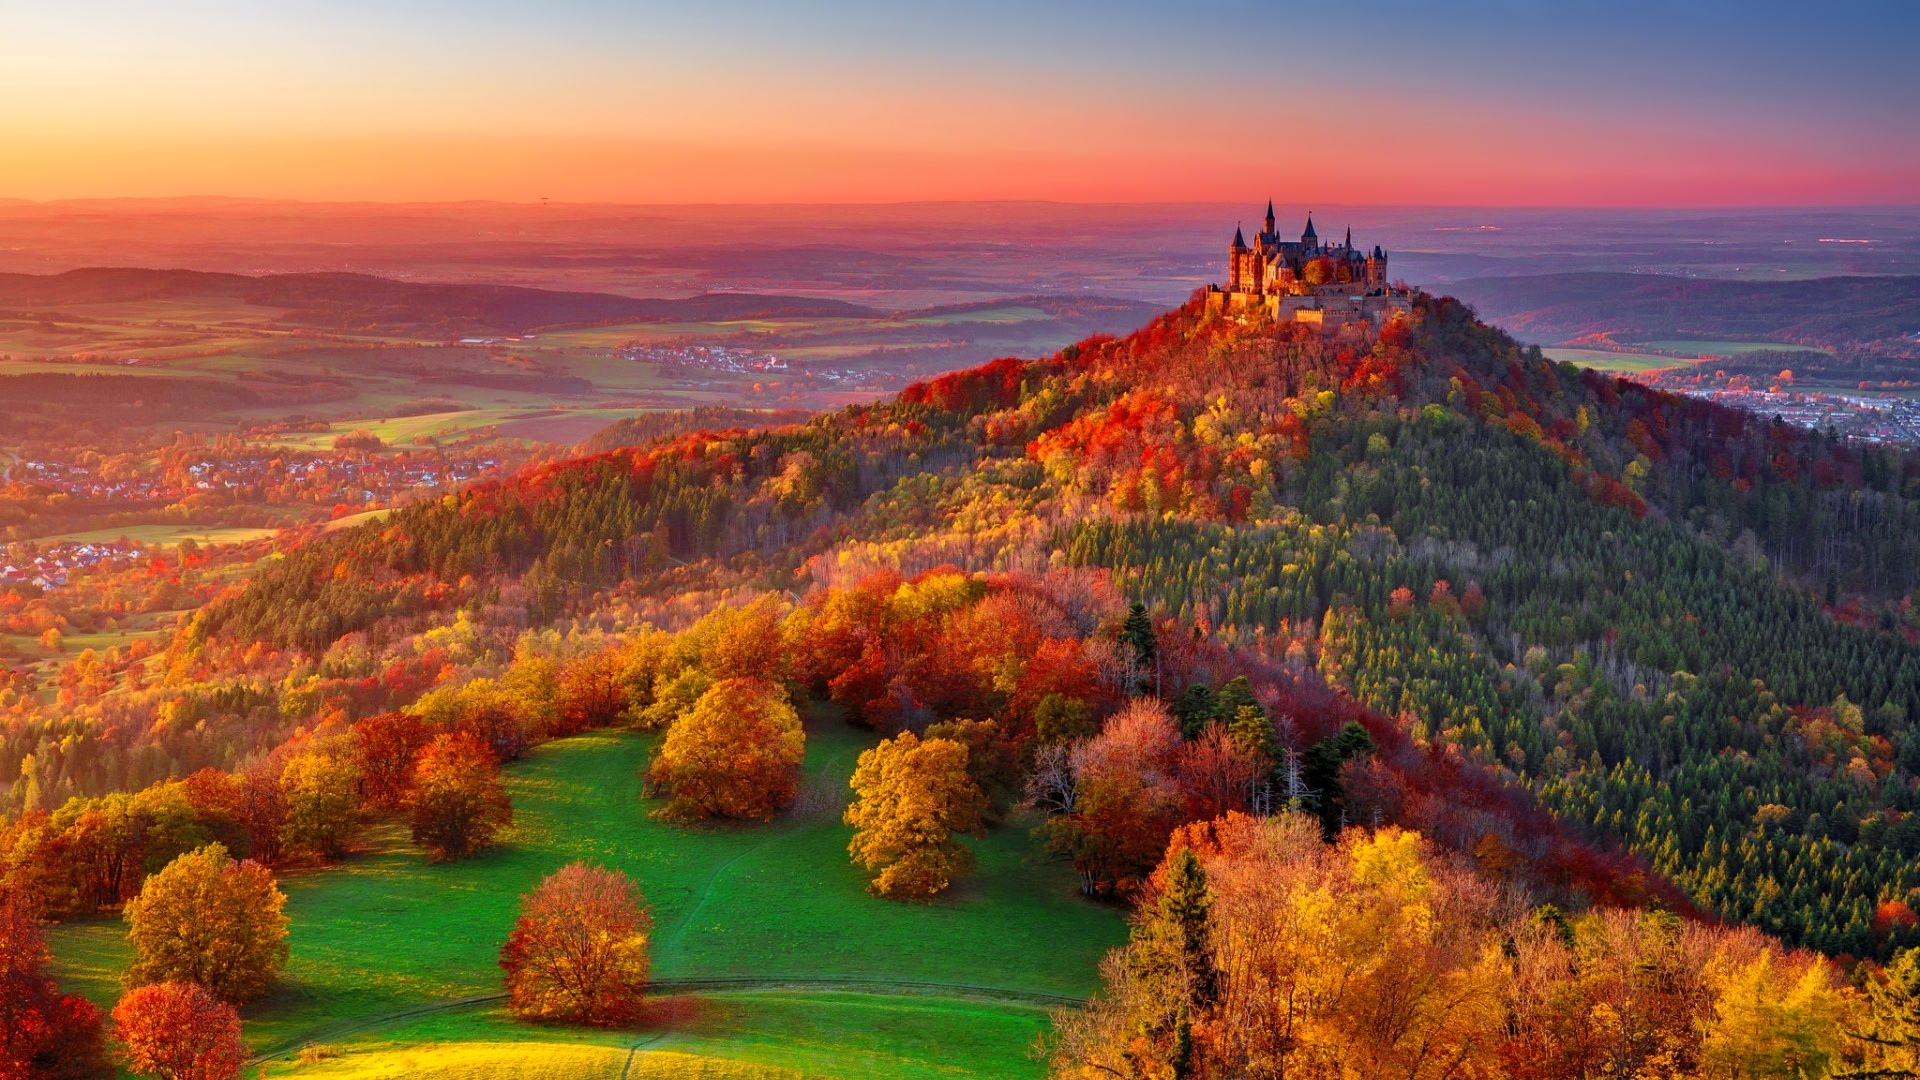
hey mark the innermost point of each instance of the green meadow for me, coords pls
(387, 933)
(1603, 360)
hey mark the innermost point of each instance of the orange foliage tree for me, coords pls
(737, 754)
(458, 806)
(578, 953)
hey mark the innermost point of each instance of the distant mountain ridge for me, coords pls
(369, 303)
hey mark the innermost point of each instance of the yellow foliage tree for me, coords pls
(913, 795)
(1773, 1015)
(323, 803)
(211, 921)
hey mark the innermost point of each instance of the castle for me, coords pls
(1307, 281)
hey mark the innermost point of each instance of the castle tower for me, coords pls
(1236, 263)
(1269, 231)
(1310, 239)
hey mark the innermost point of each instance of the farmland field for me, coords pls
(162, 535)
(387, 932)
(1602, 360)
(1725, 348)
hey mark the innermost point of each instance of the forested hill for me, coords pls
(1683, 629)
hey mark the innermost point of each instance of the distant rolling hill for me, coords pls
(1834, 312)
(366, 303)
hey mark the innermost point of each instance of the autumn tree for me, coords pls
(590, 693)
(44, 1034)
(211, 921)
(736, 754)
(912, 796)
(993, 761)
(179, 1031)
(323, 809)
(458, 806)
(578, 953)
(1884, 1042)
(263, 811)
(384, 751)
(1217, 774)
(1774, 1014)
(1126, 799)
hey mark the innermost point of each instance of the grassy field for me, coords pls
(161, 535)
(1602, 360)
(387, 932)
(750, 1036)
(1724, 348)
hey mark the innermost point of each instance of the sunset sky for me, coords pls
(1492, 102)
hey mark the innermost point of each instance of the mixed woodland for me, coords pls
(1439, 709)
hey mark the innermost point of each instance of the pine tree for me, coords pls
(1138, 632)
(1170, 957)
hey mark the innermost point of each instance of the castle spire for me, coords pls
(1239, 241)
(1269, 217)
(1349, 238)
(1309, 238)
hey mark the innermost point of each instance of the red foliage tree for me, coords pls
(44, 1034)
(385, 748)
(578, 953)
(179, 1031)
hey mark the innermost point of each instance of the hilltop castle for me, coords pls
(1307, 281)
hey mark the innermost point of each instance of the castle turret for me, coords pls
(1349, 238)
(1269, 217)
(1310, 239)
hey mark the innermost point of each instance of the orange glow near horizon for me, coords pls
(434, 107)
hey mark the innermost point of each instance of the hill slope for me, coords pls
(1674, 626)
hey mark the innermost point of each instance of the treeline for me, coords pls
(1261, 951)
